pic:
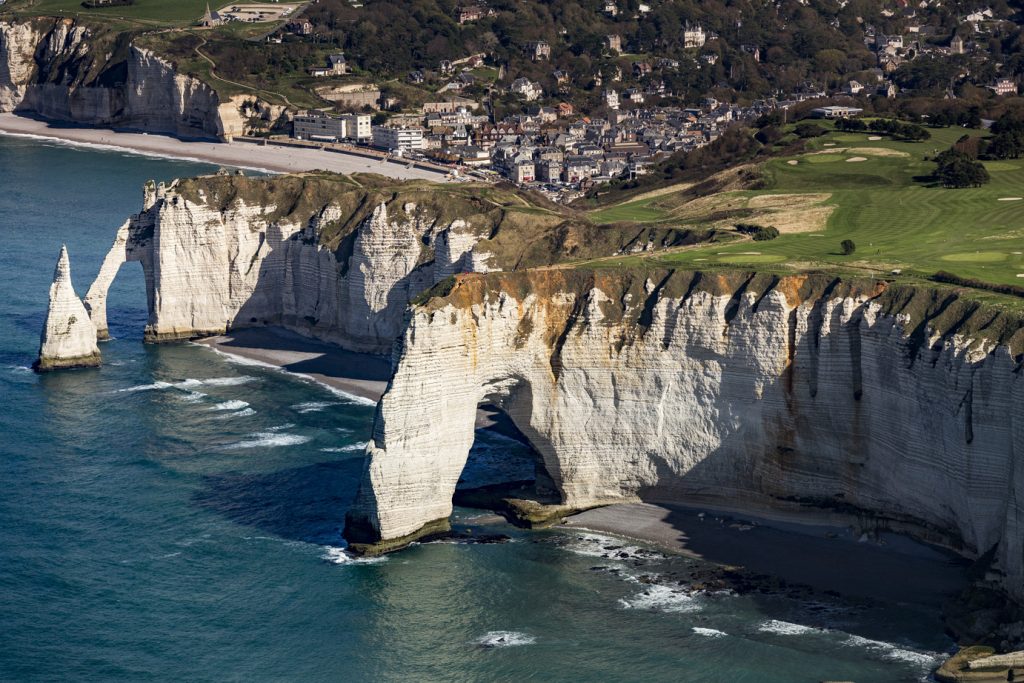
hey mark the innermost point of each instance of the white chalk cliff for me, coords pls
(69, 338)
(897, 408)
(57, 69)
(213, 265)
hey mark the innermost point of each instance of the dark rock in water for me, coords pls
(468, 537)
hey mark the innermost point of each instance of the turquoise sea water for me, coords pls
(176, 516)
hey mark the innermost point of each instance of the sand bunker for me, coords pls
(792, 162)
(877, 152)
(829, 144)
(874, 138)
(856, 159)
(1010, 199)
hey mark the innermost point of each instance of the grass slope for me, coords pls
(151, 12)
(896, 220)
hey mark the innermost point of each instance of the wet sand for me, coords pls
(359, 374)
(238, 154)
(824, 556)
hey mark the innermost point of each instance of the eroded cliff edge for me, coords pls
(333, 257)
(63, 70)
(897, 406)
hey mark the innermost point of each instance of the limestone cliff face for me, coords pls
(216, 258)
(68, 339)
(897, 407)
(61, 70)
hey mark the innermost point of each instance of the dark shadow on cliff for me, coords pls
(302, 504)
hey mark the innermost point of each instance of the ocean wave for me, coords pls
(504, 639)
(268, 440)
(191, 383)
(895, 652)
(609, 548)
(193, 396)
(280, 428)
(340, 393)
(786, 628)
(662, 598)
(709, 632)
(19, 368)
(228, 381)
(345, 449)
(145, 387)
(339, 556)
(313, 406)
(241, 360)
(244, 412)
(230, 405)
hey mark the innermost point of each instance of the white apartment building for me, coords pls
(397, 139)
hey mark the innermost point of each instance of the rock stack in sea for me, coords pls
(69, 337)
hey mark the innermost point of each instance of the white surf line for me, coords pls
(243, 360)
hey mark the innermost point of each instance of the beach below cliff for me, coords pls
(360, 375)
(239, 154)
(820, 553)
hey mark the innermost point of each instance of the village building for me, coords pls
(836, 112)
(397, 139)
(357, 126)
(1005, 86)
(210, 19)
(526, 89)
(693, 36)
(316, 125)
(538, 50)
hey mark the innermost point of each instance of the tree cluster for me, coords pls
(758, 233)
(955, 169)
(1007, 141)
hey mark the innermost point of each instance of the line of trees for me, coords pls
(898, 130)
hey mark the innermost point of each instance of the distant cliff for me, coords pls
(333, 257)
(59, 69)
(894, 407)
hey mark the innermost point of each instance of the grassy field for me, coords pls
(879, 200)
(144, 12)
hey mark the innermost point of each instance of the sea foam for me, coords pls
(269, 440)
(504, 639)
(339, 556)
(662, 598)
(709, 632)
(230, 405)
(895, 652)
(352, 447)
(313, 406)
(786, 628)
(191, 383)
(244, 412)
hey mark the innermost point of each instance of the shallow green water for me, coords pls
(176, 516)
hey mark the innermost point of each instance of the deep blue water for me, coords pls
(176, 516)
